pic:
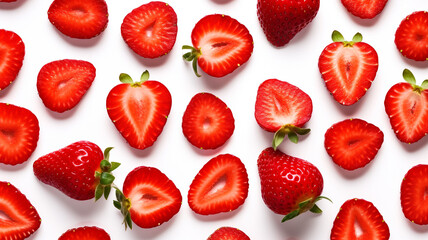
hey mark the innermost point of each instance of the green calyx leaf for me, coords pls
(125, 78)
(105, 177)
(357, 37)
(291, 132)
(308, 204)
(410, 78)
(336, 36)
(192, 56)
(123, 204)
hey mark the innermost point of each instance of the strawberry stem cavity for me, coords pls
(125, 78)
(123, 204)
(336, 36)
(192, 56)
(291, 132)
(105, 177)
(410, 78)
(308, 204)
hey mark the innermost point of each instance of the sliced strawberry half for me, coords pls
(151, 29)
(414, 201)
(353, 143)
(20, 218)
(228, 233)
(207, 122)
(61, 84)
(411, 37)
(82, 19)
(220, 45)
(220, 186)
(359, 219)
(364, 9)
(348, 68)
(19, 134)
(12, 52)
(139, 110)
(407, 107)
(85, 233)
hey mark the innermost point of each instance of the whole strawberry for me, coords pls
(80, 170)
(281, 20)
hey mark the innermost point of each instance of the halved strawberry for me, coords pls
(411, 37)
(19, 133)
(228, 233)
(82, 19)
(282, 108)
(12, 52)
(220, 186)
(151, 29)
(353, 143)
(61, 84)
(139, 110)
(359, 219)
(20, 217)
(220, 45)
(364, 9)
(407, 107)
(207, 122)
(348, 68)
(414, 201)
(85, 233)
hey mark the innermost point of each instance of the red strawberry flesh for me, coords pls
(228, 233)
(364, 9)
(411, 37)
(12, 52)
(414, 200)
(85, 233)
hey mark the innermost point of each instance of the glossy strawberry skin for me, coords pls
(413, 194)
(364, 9)
(12, 50)
(85, 233)
(411, 36)
(228, 233)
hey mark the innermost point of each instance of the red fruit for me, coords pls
(282, 108)
(364, 9)
(19, 133)
(220, 186)
(411, 37)
(61, 84)
(220, 45)
(228, 233)
(21, 218)
(414, 202)
(12, 52)
(207, 122)
(282, 20)
(149, 198)
(151, 29)
(85, 233)
(82, 19)
(353, 143)
(8, 0)
(79, 170)
(289, 185)
(139, 110)
(407, 107)
(348, 68)
(359, 219)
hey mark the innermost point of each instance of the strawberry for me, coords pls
(79, 170)
(207, 122)
(82, 19)
(282, 20)
(364, 9)
(86, 233)
(221, 44)
(149, 198)
(139, 110)
(21, 218)
(220, 186)
(359, 219)
(353, 143)
(8, 1)
(414, 201)
(411, 37)
(289, 185)
(12, 52)
(407, 107)
(228, 233)
(19, 134)
(348, 68)
(61, 84)
(282, 108)
(151, 29)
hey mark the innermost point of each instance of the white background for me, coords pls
(379, 182)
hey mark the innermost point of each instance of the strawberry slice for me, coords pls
(151, 29)
(348, 68)
(353, 143)
(20, 217)
(364, 9)
(414, 201)
(82, 19)
(86, 233)
(228, 233)
(207, 122)
(359, 219)
(411, 37)
(220, 186)
(407, 107)
(220, 45)
(12, 52)
(19, 133)
(61, 84)
(139, 110)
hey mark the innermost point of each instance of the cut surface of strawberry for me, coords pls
(12, 52)
(353, 143)
(411, 37)
(207, 122)
(85, 233)
(359, 219)
(61, 84)
(414, 201)
(364, 9)
(220, 186)
(21, 218)
(228, 233)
